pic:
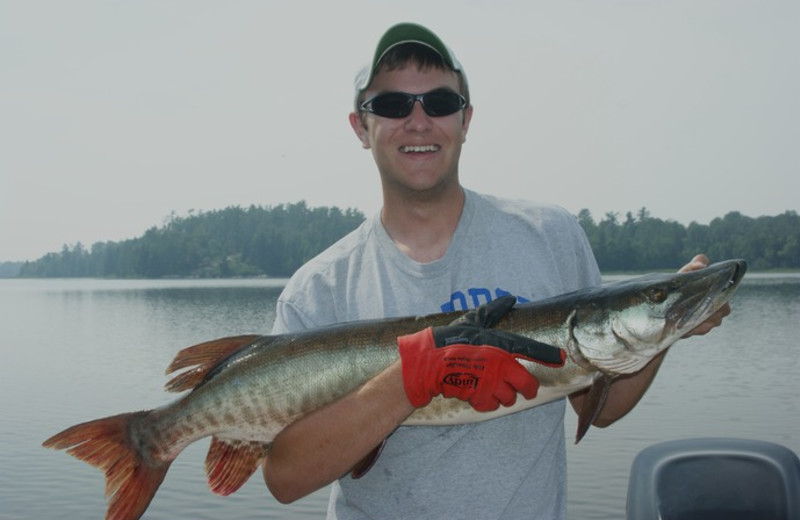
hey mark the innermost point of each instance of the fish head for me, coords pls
(631, 322)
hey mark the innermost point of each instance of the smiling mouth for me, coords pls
(420, 149)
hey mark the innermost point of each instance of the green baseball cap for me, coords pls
(398, 35)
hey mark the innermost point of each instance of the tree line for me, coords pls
(643, 242)
(275, 241)
(232, 242)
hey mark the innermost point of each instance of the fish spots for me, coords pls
(210, 419)
(248, 414)
(183, 430)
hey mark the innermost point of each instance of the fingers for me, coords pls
(490, 313)
(503, 394)
(490, 393)
(521, 380)
(491, 399)
(526, 348)
(715, 320)
(487, 315)
(698, 262)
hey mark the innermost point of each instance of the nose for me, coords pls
(418, 119)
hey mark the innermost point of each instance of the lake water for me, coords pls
(74, 350)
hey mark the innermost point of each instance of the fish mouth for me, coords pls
(710, 289)
(740, 268)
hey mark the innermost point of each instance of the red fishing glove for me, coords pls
(472, 362)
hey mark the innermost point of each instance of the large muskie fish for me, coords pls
(246, 389)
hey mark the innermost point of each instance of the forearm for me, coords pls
(324, 445)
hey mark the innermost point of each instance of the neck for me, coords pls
(422, 225)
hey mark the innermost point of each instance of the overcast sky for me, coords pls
(114, 114)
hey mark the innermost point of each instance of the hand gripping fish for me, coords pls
(246, 389)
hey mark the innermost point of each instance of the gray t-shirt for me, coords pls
(506, 468)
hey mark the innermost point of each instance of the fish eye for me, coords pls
(657, 295)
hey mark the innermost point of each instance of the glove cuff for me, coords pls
(414, 360)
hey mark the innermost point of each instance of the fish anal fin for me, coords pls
(593, 403)
(365, 464)
(230, 463)
(202, 358)
(131, 481)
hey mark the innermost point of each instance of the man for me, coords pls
(434, 246)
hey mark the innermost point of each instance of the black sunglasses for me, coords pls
(397, 105)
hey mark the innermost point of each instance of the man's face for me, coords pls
(418, 153)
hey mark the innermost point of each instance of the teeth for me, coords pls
(426, 148)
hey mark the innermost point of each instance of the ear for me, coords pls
(360, 129)
(465, 122)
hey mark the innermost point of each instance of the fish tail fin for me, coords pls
(131, 481)
(230, 463)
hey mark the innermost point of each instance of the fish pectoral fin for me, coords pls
(203, 357)
(230, 463)
(365, 464)
(592, 405)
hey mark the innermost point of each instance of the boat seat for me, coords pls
(714, 478)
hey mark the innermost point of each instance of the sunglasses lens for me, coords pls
(397, 105)
(438, 104)
(394, 105)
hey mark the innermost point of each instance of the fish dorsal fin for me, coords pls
(230, 463)
(592, 404)
(202, 357)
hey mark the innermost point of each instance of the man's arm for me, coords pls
(626, 391)
(327, 443)
(320, 447)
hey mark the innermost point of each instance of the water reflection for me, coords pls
(75, 350)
